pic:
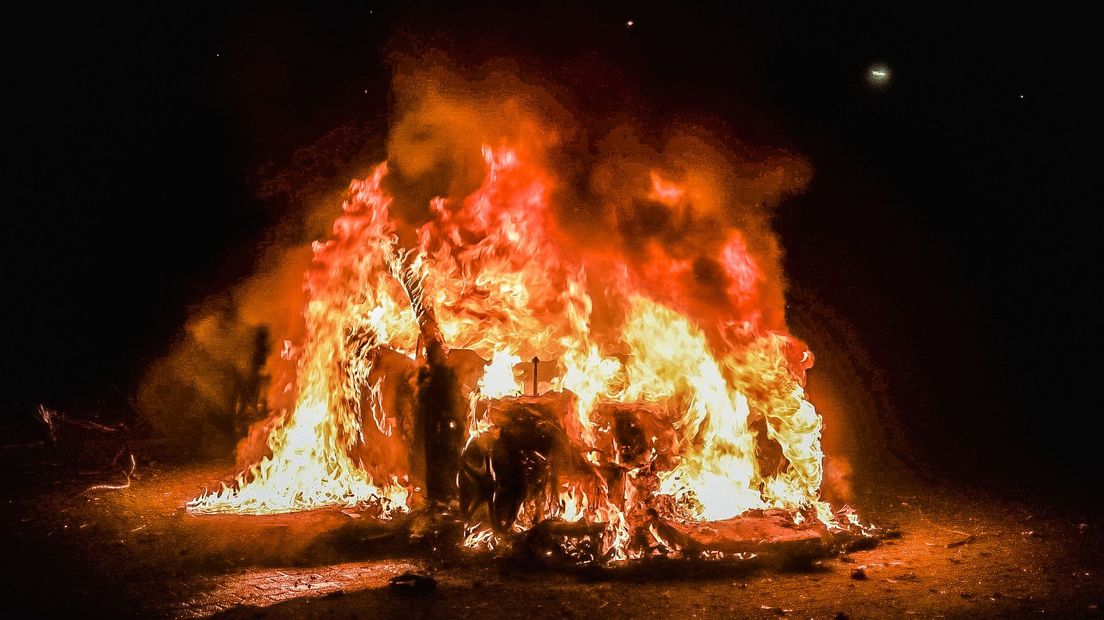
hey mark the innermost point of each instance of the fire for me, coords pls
(636, 360)
(498, 378)
(351, 306)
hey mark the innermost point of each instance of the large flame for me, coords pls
(491, 271)
(352, 308)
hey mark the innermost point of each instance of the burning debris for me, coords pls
(661, 412)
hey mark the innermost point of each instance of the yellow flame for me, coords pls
(497, 284)
(310, 464)
(498, 376)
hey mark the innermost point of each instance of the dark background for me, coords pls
(944, 230)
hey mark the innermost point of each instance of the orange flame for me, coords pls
(492, 272)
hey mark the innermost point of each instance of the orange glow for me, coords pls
(623, 331)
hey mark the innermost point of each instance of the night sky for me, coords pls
(945, 221)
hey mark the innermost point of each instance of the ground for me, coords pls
(963, 552)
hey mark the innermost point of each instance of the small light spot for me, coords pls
(630, 24)
(878, 76)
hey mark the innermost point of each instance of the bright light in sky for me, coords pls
(878, 76)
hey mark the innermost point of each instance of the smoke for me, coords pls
(441, 119)
(707, 249)
(605, 178)
(225, 371)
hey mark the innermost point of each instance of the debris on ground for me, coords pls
(964, 541)
(116, 487)
(413, 583)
